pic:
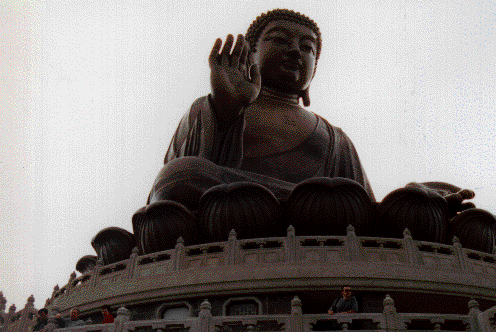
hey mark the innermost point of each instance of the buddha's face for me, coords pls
(285, 54)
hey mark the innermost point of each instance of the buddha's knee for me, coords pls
(184, 180)
(423, 212)
(326, 206)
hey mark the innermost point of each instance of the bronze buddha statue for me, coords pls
(248, 157)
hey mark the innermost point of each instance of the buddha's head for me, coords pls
(286, 46)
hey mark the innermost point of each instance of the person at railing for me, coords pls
(107, 316)
(345, 304)
(59, 321)
(41, 320)
(75, 321)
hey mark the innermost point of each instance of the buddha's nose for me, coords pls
(294, 50)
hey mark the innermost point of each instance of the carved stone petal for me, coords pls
(249, 208)
(113, 244)
(423, 212)
(475, 228)
(326, 206)
(86, 263)
(158, 226)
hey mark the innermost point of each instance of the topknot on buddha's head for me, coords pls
(258, 25)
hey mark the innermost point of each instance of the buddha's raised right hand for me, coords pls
(232, 88)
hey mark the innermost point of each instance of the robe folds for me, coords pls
(218, 159)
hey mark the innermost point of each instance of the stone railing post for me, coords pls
(461, 255)
(69, 286)
(474, 313)
(391, 319)
(290, 245)
(121, 320)
(296, 319)
(131, 263)
(25, 313)
(55, 290)
(412, 254)
(484, 319)
(205, 321)
(352, 246)
(233, 248)
(179, 254)
(54, 310)
(95, 274)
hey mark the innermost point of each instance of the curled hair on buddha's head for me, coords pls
(258, 25)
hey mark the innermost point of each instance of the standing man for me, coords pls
(345, 304)
(107, 316)
(42, 320)
(75, 321)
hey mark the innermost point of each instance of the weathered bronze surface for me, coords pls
(251, 128)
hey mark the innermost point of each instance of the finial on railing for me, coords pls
(56, 288)
(30, 301)
(3, 302)
(473, 305)
(232, 235)
(291, 230)
(122, 312)
(388, 304)
(73, 275)
(456, 241)
(407, 234)
(180, 241)
(296, 305)
(205, 305)
(12, 308)
(350, 230)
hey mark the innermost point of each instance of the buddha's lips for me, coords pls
(292, 65)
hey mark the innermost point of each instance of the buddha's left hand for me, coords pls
(453, 195)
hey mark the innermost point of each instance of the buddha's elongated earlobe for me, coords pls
(305, 95)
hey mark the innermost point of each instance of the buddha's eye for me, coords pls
(307, 48)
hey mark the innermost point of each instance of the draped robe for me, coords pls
(216, 157)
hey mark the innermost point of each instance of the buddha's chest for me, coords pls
(269, 131)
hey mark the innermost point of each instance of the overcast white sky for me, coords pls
(92, 91)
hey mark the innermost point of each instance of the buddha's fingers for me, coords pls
(236, 53)
(213, 59)
(467, 193)
(242, 58)
(226, 51)
(466, 206)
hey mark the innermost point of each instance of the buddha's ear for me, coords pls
(305, 96)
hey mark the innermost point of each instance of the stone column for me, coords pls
(296, 319)
(70, 283)
(233, 248)
(474, 313)
(131, 263)
(290, 245)
(352, 246)
(121, 319)
(412, 254)
(205, 320)
(179, 255)
(460, 253)
(95, 274)
(391, 319)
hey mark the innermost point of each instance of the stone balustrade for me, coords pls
(289, 250)
(388, 320)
